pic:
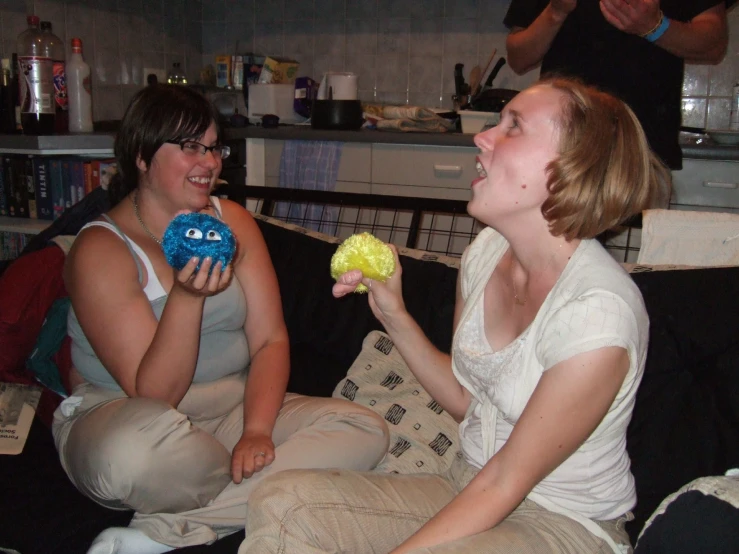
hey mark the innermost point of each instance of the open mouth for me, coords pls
(480, 170)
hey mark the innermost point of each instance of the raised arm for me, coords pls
(567, 405)
(145, 357)
(432, 368)
(527, 47)
(703, 39)
(267, 337)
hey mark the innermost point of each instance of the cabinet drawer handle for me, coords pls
(719, 185)
(457, 169)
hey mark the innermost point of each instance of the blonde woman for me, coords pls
(550, 341)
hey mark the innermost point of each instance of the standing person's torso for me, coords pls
(648, 78)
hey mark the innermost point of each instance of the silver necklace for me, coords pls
(134, 199)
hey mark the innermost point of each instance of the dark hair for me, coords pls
(156, 114)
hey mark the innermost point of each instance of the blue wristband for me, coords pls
(660, 30)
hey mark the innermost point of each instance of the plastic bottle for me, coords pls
(78, 89)
(36, 81)
(54, 49)
(734, 124)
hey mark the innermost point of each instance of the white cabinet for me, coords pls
(706, 185)
(393, 169)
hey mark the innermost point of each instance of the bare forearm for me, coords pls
(476, 509)
(266, 386)
(526, 47)
(432, 368)
(698, 42)
(168, 366)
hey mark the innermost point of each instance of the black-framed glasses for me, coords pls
(194, 148)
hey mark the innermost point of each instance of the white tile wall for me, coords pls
(403, 50)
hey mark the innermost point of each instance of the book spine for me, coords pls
(70, 191)
(44, 199)
(19, 193)
(30, 187)
(77, 168)
(88, 177)
(56, 181)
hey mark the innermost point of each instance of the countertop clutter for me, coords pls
(698, 148)
(693, 148)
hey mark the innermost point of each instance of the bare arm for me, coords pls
(703, 39)
(145, 357)
(268, 341)
(567, 405)
(527, 47)
(432, 368)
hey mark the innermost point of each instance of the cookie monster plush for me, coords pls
(198, 235)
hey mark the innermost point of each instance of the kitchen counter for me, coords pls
(692, 149)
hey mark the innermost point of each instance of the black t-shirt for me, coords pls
(648, 78)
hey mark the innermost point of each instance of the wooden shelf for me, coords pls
(23, 225)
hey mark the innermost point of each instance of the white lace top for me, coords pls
(594, 304)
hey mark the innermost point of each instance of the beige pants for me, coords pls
(333, 511)
(173, 466)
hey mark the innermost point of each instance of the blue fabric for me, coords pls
(41, 361)
(198, 235)
(309, 165)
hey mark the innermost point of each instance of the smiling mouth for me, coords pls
(203, 181)
(480, 170)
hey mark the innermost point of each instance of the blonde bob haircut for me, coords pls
(606, 171)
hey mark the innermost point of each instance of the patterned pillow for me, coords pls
(423, 437)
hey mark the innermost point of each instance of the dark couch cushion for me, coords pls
(686, 419)
(324, 347)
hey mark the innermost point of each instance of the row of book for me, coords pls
(12, 244)
(41, 187)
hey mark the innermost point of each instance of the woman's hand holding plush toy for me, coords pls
(385, 298)
(202, 282)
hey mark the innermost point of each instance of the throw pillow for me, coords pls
(702, 516)
(423, 437)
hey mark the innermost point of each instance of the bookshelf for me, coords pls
(23, 225)
(86, 145)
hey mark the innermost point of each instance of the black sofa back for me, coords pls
(686, 419)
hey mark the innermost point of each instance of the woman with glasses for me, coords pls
(181, 407)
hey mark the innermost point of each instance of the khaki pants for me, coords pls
(333, 511)
(173, 466)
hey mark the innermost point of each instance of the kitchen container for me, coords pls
(273, 99)
(474, 122)
(337, 114)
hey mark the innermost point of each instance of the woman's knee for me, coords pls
(143, 454)
(371, 425)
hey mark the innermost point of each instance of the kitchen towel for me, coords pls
(309, 165)
(406, 118)
(689, 238)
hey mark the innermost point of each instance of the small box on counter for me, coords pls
(237, 72)
(223, 71)
(253, 64)
(279, 71)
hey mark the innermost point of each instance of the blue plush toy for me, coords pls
(199, 235)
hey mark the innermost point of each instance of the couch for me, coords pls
(685, 423)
